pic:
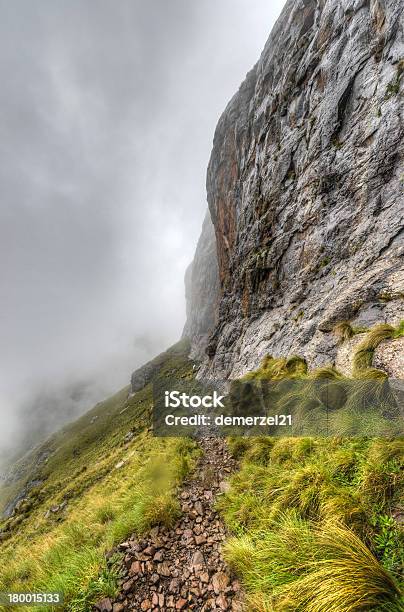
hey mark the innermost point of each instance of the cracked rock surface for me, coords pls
(305, 189)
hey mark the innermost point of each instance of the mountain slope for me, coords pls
(87, 488)
(303, 258)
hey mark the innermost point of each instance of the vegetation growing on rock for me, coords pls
(363, 356)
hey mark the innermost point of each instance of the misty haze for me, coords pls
(107, 122)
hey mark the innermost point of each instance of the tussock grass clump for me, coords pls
(272, 368)
(326, 373)
(344, 331)
(296, 365)
(260, 451)
(238, 446)
(371, 374)
(319, 570)
(308, 532)
(344, 576)
(363, 356)
(105, 513)
(382, 477)
(290, 450)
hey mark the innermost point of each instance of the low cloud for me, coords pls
(107, 117)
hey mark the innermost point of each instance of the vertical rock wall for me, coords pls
(201, 291)
(305, 190)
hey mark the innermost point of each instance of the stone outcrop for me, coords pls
(389, 356)
(345, 354)
(305, 189)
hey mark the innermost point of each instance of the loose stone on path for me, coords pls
(182, 568)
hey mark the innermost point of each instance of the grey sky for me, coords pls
(107, 117)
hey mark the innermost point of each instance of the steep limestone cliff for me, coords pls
(305, 189)
(202, 290)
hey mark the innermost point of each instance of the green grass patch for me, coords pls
(312, 523)
(94, 489)
(70, 556)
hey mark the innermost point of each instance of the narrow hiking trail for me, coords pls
(182, 568)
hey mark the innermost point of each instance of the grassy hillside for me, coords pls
(314, 523)
(99, 479)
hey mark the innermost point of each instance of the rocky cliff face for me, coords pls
(305, 187)
(201, 291)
